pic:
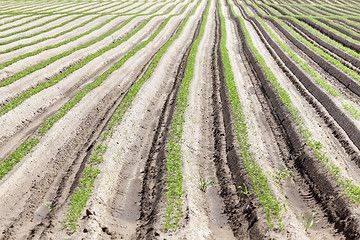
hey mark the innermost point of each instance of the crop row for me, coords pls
(30, 28)
(18, 58)
(352, 110)
(40, 6)
(61, 55)
(329, 40)
(341, 31)
(34, 34)
(332, 60)
(323, 83)
(80, 197)
(347, 185)
(302, 12)
(18, 100)
(72, 12)
(260, 185)
(21, 24)
(49, 29)
(173, 159)
(14, 20)
(28, 145)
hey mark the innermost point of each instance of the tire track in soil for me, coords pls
(154, 180)
(230, 171)
(333, 204)
(89, 149)
(324, 98)
(298, 193)
(205, 216)
(120, 206)
(80, 146)
(343, 57)
(11, 140)
(347, 93)
(70, 180)
(337, 130)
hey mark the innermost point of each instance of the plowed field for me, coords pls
(201, 119)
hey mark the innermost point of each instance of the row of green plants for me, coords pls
(22, 97)
(33, 53)
(3, 17)
(74, 11)
(346, 49)
(40, 8)
(303, 15)
(323, 83)
(122, 7)
(344, 10)
(61, 7)
(123, 13)
(14, 19)
(92, 8)
(260, 184)
(56, 57)
(319, 16)
(299, 14)
(31, 4)
(21, 24)
(29, 144)
(30, 28)
(51, 7)
(173, 163)
(79, 7)
(334, 30)
(320, 12)
(348, 186)
(46, 30)
(81, 196)
(34, 7)
(35, 34)
(309, 4)
(318, 50)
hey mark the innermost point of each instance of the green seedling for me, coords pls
(48, 206)
(259, 181)
(283, 174)
(205, 184)
(244, 189)
(83, 193)
(310, 222)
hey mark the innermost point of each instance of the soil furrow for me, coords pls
(65, 154)
(154, 180)
(74, 81)
(312, 169)
(343, 57)
(65, 91)
(298, 199)
(66, 186)
(240, 210)
(317, 92)
(202, 119)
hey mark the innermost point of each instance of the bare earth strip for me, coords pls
(128, 199)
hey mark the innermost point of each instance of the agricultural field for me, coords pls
(193, 119)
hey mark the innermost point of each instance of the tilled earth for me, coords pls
(128, 200)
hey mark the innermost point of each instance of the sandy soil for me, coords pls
(102, 93)
(43, 35)
(128, 199)
(65, 89)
